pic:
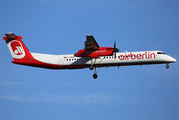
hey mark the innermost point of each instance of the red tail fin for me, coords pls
(18, 50)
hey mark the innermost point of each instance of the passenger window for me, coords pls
(133, 56)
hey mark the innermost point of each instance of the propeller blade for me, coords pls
(115, 55)
(115, 49)
(114, 44)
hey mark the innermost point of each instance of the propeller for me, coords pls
(115, 50)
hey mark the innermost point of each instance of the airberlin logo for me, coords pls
(16, 49)
(146, 55)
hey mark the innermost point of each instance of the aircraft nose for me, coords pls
(172, 59)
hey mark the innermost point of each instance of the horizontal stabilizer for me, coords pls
(11, 36)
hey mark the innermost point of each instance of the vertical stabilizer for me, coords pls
(17, 48)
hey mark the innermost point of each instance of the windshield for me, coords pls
(160, 53)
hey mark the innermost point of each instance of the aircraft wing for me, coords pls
(91, 44)
(93, 50)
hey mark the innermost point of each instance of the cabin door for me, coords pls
(60, 61)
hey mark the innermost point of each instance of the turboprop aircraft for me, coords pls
(92, 56)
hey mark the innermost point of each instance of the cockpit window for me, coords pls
(160, 53)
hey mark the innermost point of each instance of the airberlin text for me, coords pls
(146, 55)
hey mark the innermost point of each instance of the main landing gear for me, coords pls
(96, 71)
(92, 62)
(95, 76)
(92, 67)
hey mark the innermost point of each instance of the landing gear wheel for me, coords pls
(91, 67)
(95, 76)
(167, 66)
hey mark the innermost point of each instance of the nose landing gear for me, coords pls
(167, 66)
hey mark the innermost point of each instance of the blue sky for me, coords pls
(59, 27)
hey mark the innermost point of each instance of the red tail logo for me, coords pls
(16, 49)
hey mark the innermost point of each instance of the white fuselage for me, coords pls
(126, 58)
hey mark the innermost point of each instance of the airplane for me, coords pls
(92, 56)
